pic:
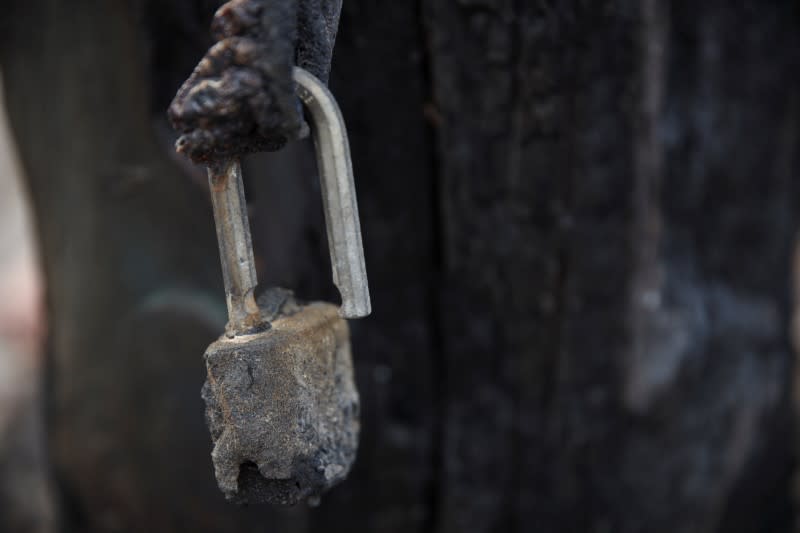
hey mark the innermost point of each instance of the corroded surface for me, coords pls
(240, 97)
(282, 408)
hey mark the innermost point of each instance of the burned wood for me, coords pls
(240, 98)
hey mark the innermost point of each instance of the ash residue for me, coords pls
(282, 406)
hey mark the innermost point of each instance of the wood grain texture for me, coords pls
(618, 356)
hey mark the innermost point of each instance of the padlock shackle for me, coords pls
(235, 246)
(338, 194)
(338, 200)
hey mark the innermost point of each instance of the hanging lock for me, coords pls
(281, 401)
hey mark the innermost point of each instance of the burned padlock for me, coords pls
(281, 402)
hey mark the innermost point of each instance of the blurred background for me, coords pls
(24, 477)
(580, 224)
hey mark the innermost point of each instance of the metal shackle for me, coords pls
(339, 204)
(338, 194)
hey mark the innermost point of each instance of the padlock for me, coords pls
(281, 401)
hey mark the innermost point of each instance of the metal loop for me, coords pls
(339, 203)
(338, 194)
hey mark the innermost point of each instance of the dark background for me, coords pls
(578, 216)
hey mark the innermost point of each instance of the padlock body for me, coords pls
(282, 407)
